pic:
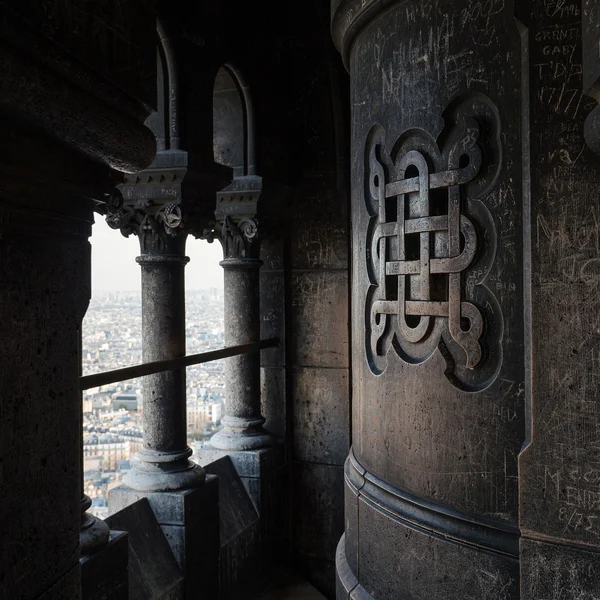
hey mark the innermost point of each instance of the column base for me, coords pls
(94, 532)
(163, 472)
(242, 434)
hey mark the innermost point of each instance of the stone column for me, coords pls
(183, 500)
(163, 463)
(243, 422)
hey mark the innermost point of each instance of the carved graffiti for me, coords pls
(431, 242)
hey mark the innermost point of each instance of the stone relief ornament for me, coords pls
(153, 224)
(430, 244)
(237, 238)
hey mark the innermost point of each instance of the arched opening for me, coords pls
(233, 124)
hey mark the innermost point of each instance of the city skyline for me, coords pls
(114, 268)
(112, 414)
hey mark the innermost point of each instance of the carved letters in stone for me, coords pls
(430, 245)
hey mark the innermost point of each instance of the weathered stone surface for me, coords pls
(240, 565)
(163, 463)
(317, 502)
(428, 564)
(559, 477)
(264, 475)
(274, 400)
(409, 396)
(553, 572)
(104, 575)
(350, 543)
(44, 292)
(320, 400)
(242, 424)
(41, 423)
(66, 588)
(319, 319)
(322, 240)
(153, 569)
(273, 246)
(272, 316)
(73, 90)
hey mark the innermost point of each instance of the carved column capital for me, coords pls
(240, 240)
(160, 226)
(236, 223)
(164, 203)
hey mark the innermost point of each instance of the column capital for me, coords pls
(236, 223)
(164, 203)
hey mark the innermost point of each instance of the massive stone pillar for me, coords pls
(437, 300)
(44, 293)
(473, 472)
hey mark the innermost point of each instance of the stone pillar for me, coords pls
(163, 463)
(44, 293)
(183, 500)
(243, 422)
(438, 369)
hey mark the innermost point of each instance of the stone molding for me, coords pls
(15, 219)
(430, 517)
(44, 85)
(156, 225)
(349, 17)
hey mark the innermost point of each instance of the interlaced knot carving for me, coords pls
(423, 245)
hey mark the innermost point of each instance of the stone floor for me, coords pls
(291, 587)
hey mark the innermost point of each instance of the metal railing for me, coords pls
(91, 381)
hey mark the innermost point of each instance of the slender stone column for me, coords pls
(243, 422)
(163, 463)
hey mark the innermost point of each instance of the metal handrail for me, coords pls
(158, 366)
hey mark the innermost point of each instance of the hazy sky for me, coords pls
(114, 267)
